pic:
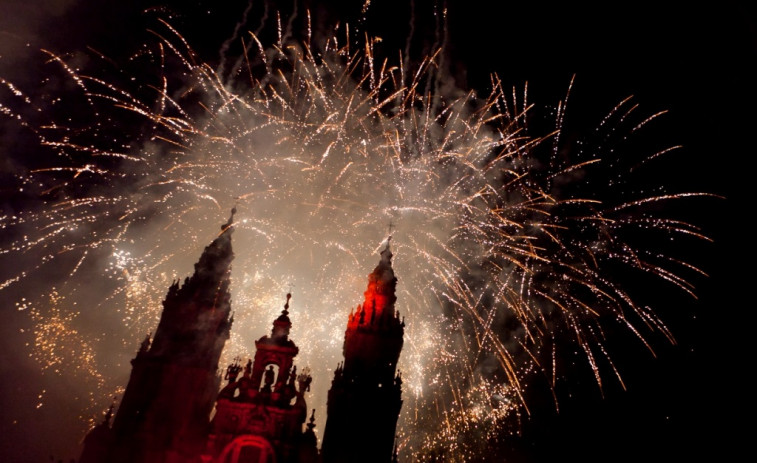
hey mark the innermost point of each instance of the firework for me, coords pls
(506, 245)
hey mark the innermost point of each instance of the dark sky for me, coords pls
(691, 401)
(698, 64)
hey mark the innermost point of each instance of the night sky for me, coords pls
(690, 401)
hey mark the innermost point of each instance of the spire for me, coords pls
(213, 270)
(229, 222)
(198, 309)
(387, 249)
(217, 256)
(285, 312)
(380, 294)
(283, 324)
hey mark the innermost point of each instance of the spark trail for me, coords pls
(501, 244)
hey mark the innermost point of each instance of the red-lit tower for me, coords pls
(165, 411)
(259, 417)
(366, 394)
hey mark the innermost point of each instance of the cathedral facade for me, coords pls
(260, 414)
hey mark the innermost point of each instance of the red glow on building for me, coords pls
(261, 413)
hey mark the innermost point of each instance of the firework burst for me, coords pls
(506, 243)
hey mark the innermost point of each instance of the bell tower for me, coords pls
(165, 411)
(366, 393)
(260, 416)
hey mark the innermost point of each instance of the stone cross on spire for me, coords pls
(231, 219)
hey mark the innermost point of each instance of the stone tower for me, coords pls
(165, 411)
(366, 394)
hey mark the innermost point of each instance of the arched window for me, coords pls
(248, 449)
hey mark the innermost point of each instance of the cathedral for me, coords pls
(178, 407)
